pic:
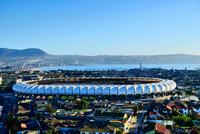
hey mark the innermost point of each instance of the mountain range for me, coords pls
(36, 57)
(30, 52)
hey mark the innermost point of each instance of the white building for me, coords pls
(94, 89)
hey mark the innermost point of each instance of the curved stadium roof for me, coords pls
(55, 88)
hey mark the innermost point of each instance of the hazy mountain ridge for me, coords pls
(36, 57)
(30, 52)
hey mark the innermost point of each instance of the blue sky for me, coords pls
(101, 27)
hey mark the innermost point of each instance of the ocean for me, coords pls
(124, 67)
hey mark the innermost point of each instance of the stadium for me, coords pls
(95, 86)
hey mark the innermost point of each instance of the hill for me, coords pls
(36, 57)
(30, 52)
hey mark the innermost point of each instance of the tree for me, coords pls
(138, 96)
(118, 131)
(84, 104)
(152, 95)
(166, 101)
(162, 94)
(52, 130)
(64, 98)
(130, 97)
(92, 98)
(50, 97)
(50, 109)
(12, 124)
(169, 126)
(189, 93)
(183, 120)
(179, 93)
(71, 98)
(135, 109)
(145, 96)
(171, 93)
(122, 97)
(157, 94)
(113, 97)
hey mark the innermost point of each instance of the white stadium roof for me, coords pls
(95, 89)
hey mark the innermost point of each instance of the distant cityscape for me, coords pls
(12, 59)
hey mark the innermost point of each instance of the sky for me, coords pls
(101, 27)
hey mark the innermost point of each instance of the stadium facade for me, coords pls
(123, 86)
